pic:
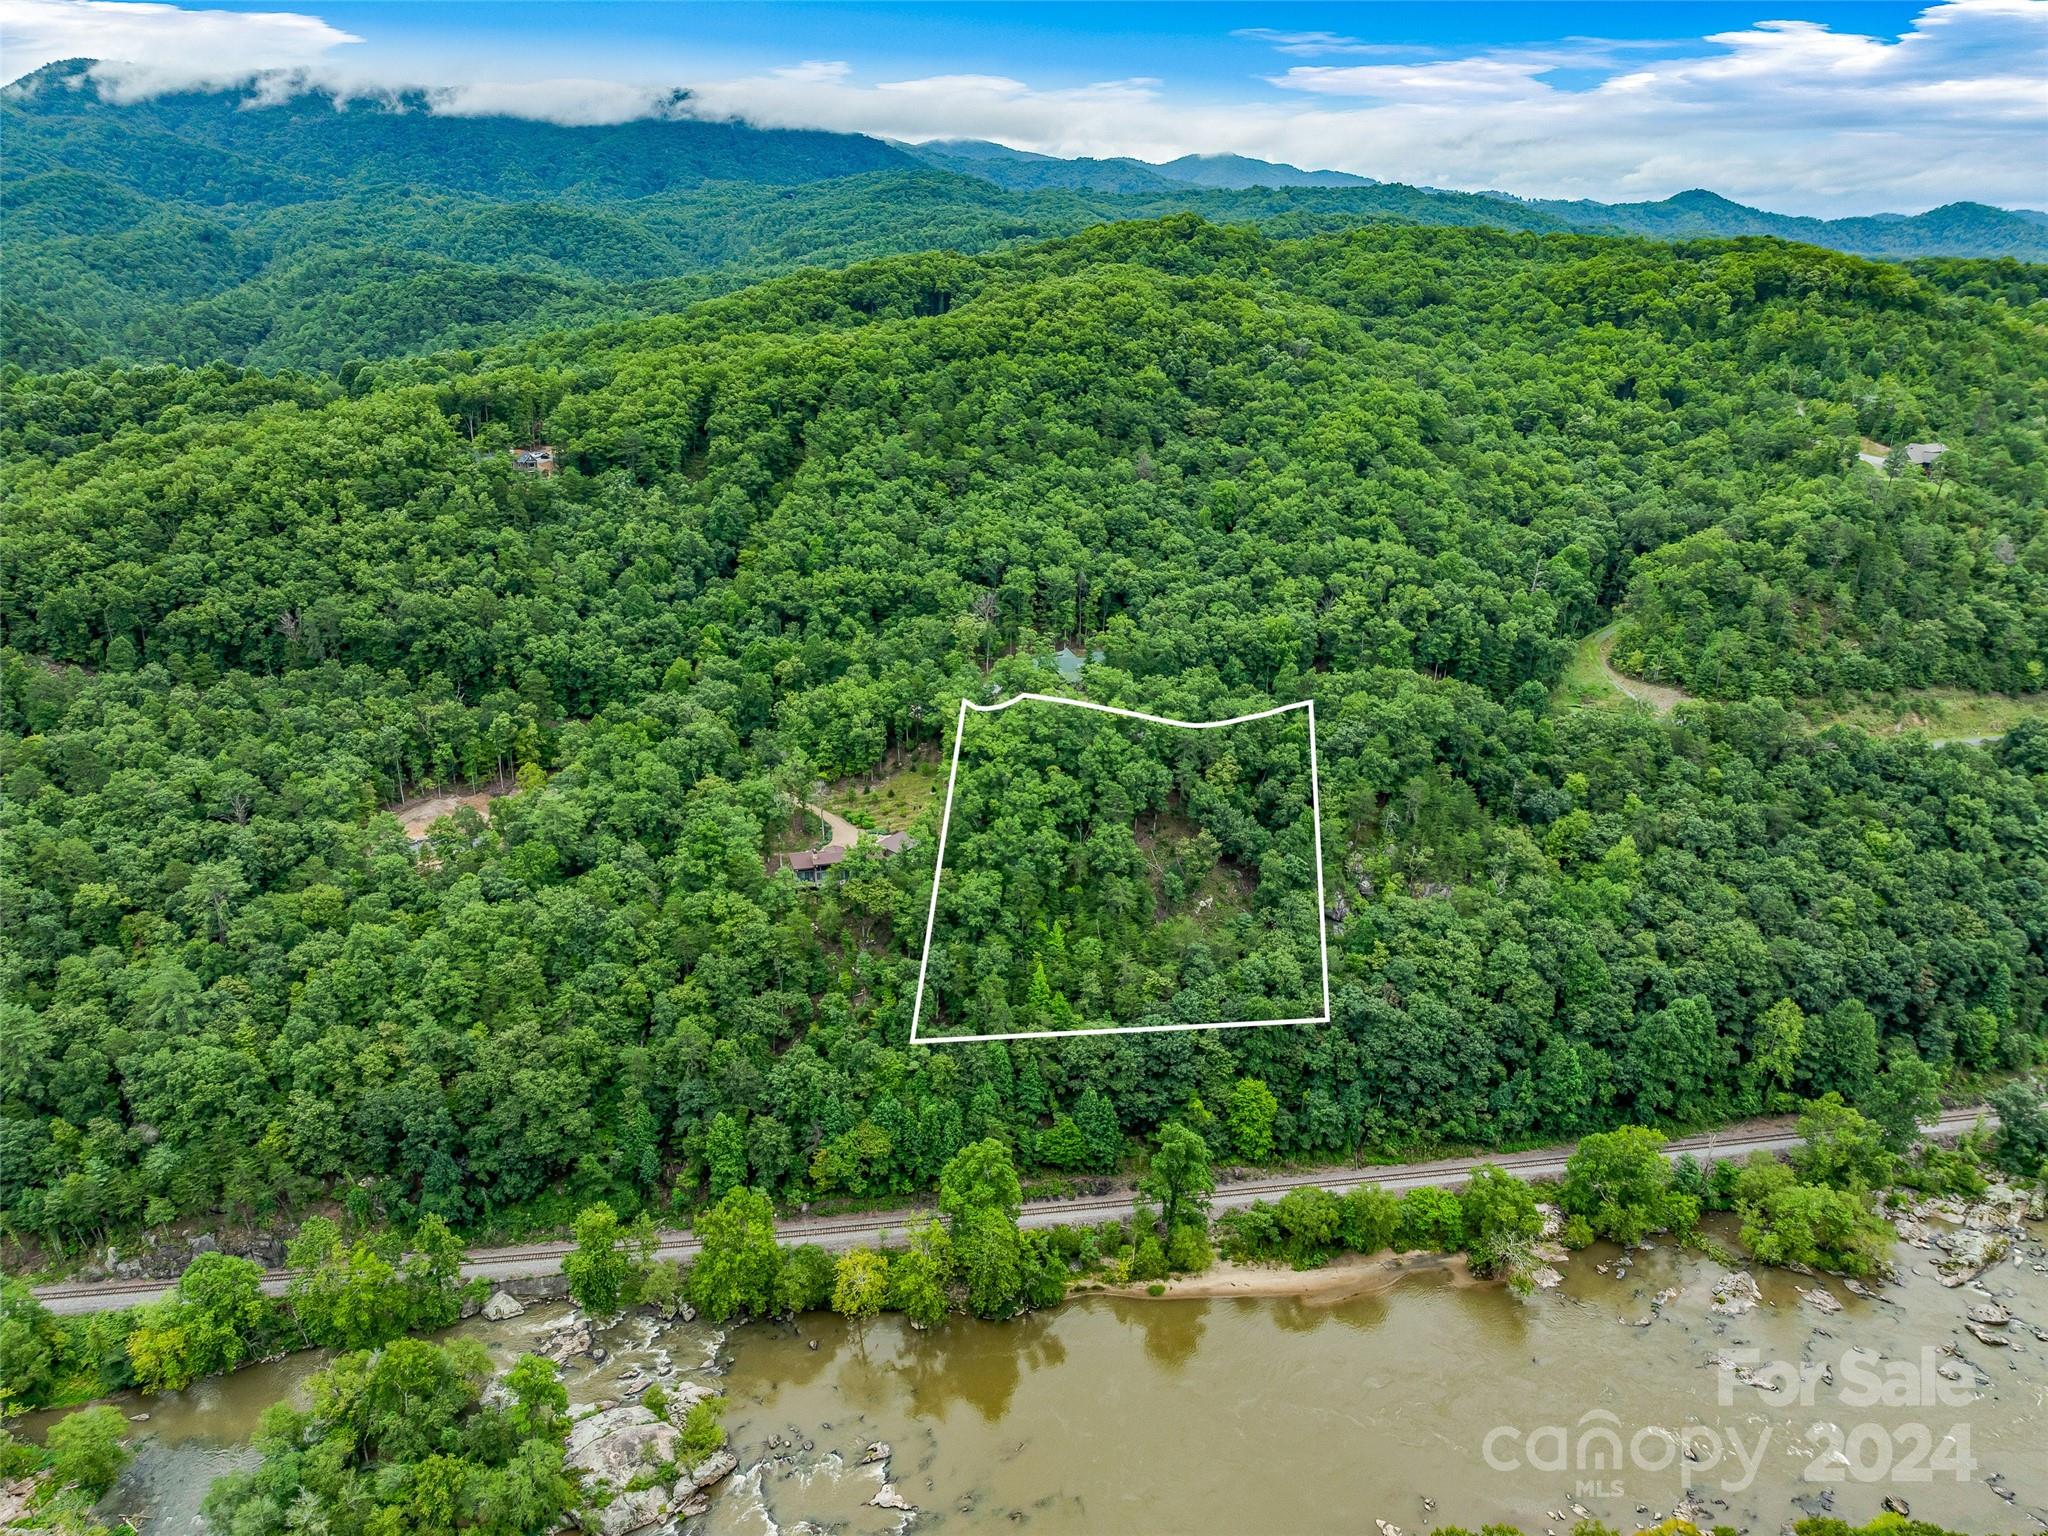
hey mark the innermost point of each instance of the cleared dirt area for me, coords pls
(418, 815)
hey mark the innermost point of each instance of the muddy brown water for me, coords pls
(1430, 1402)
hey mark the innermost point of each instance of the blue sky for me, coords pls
(1816, 108)
(1210, 51)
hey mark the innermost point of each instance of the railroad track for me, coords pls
(530, 1260)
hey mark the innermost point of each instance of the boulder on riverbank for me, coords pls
(503, 1307)
(706, 1473)
(615, 1446)
(1966, 1254)
(1965, 1237)
(641, 1510)
(615, 1443)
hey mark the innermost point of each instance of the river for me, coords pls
(1418, 1398)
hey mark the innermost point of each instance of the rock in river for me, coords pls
(1990, 1314)
(503, 1307)
(565, 1343)
(1737, 1294)
(889, 1498)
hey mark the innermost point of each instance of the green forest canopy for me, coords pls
(1169, 874)
(1397, 470)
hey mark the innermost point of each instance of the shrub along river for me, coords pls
(1640, 1386)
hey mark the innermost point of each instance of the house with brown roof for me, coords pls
(810, 865)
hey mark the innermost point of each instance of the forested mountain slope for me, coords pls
(271, 227)
(59, 120)
(1398, 470)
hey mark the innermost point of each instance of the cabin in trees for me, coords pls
(1068, 662)
(537, 460)
(812, 864)
(1920, 455)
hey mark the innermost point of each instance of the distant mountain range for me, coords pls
(1020, 169)
(208, 225)
(1954, 229)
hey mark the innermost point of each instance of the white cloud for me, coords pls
(1070, 121)
(1315, 44)
(1790, 114)
(571, 102)
(1449, 80)
(161, 47)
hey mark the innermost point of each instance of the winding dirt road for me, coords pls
(1663, 698)
(844, 833)
(528, 1260)
(1659, 696)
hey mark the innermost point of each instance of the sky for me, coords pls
(1798, 107)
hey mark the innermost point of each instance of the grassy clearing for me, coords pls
(1585, 684)
(1933, 714)
(1939, 714)
(1591, 682)
(894, 802)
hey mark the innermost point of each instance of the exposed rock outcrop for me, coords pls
(707, 1473)
(642, 1509)
(612, 1445)
(617, 1445)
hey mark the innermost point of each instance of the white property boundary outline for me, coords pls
(1315, 795)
